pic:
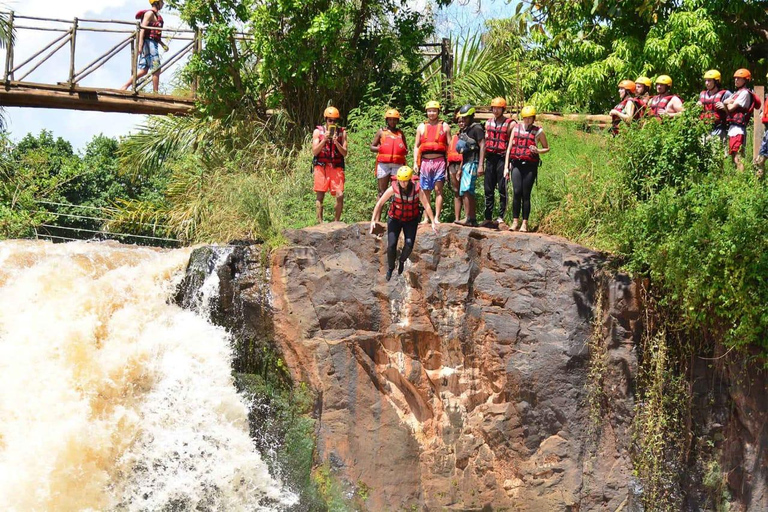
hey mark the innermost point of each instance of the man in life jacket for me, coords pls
(429, 154)
(497, 132)
(471, 146)
(762, 156)
(642, 88)
(149, 40)
(389, 143)
(403, 215)
(664, 104)
(713, 109)
(740, 107)
(454, 174)
(524, 154)
(627, 109)
(329, 147)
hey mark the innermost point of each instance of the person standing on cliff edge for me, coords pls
(404, 212)
(329, 147)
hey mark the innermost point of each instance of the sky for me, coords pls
(79, 127)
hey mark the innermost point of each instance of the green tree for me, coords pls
(577, 51)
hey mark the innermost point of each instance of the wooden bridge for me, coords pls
(18, 91)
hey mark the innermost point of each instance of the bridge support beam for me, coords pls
(27, 94)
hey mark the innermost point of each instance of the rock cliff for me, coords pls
(462, 384)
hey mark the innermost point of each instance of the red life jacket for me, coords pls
(453, 155)
(392, 148)
(765, 113)
(434, 139)
(329, 154)
(659, 102)
(497, 136)
(710, 113)
(616, 120)
(155, 35)
(520, 142)
(404, 207)
(742, 115)
(641, 102)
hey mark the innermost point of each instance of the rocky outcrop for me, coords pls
(463, 383)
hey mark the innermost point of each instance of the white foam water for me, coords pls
(112, 397)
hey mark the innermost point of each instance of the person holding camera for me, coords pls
(471, 146)
(329, 147)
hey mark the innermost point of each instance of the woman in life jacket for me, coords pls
(429, 153)
(627, 109)
(329, 149)
(149, 40)
(404, 211)
(713, 109)
(389, 143)
(524, 154)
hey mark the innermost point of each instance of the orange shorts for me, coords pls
(328, 177)
(735, 144)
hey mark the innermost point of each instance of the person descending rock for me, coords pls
(497, 132)
(471, 146)
(429, 154)
(740, 107)
(454, 174)
(149, 40)
(391, 147)
(403, 215)
(524, 153)
(713, 109)
(627, 109)
(642, 86)
(329, 147)
(665, 103)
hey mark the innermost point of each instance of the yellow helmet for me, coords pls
(528, 111)
(499, 102)
(153, 2)
(664, 80)
(644, 80)
(331, 113)
(392, 113)
(627, 85)
(404, 173)
(432, 104)
(712, 74)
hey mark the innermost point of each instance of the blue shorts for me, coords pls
(150, 55)
(430, 172)
(468, 178)
(764, 145)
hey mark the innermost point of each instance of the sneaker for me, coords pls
(524, 227)
(400, 268)
(471, 223)
(513, 227)
(389, 273)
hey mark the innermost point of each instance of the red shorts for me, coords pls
(735, 144)
(328, 177)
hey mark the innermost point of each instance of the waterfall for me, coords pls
(111, 396)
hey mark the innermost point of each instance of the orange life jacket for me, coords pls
(521, 140)
(718, 117)
(453, 155)
(155, 35)
(434, 139)
(405, 207)
(329, 154)
(497, 136)
(392, 148)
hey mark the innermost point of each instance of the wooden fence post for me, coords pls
(9, 52)
(135, 52)
(759, 130)
(446, 65)
(72, 42)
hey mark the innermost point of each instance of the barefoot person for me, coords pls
(524, 154)
(429, 154)
(403, 214)
(389, 143)
(149, 40)
(329, 147)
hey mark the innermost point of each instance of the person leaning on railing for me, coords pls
(149, 41)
